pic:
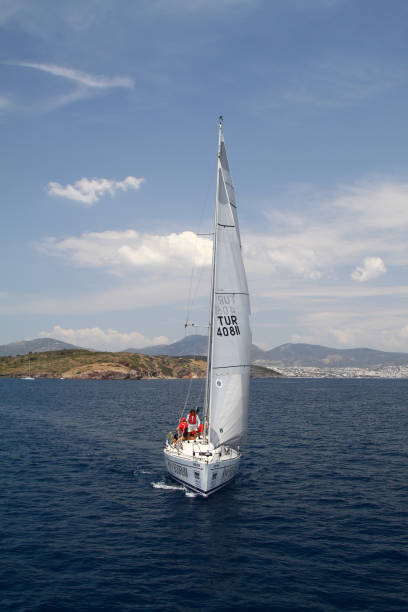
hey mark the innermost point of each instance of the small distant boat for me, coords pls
(208, 462)
(29, 377)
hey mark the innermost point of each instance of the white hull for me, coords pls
(200, 467)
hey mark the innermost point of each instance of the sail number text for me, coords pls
(226, 318)
(228, 326)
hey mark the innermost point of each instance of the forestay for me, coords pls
(230, 347)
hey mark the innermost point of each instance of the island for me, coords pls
(84, 364)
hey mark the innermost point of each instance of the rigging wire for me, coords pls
(193, 289)
(192, 292)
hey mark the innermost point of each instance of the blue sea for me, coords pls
(316, 520)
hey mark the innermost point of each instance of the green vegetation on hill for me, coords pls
(103, 365)
(100, 365)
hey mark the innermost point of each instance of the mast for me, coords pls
(207, 403)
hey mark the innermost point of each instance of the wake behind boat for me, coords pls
(206, 458)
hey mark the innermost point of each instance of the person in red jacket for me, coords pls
(193, 423)
(181, 430)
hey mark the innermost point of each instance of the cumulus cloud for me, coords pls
(129, 249)
(102, 339)
(337, 230)
(88, 191)
(298, 263)
(372, 268)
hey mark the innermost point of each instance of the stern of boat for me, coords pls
(200, 467)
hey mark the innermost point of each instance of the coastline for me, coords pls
(92, 365)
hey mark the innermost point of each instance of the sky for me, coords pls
(109, 127)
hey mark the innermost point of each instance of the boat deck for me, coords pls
(200, 451)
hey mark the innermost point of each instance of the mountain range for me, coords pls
(190, 345)
(39, 345)
(290, 354)
(285, 355)
(312, 355)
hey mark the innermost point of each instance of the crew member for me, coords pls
(182, 428)
(193, 422)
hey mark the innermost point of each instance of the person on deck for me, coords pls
(181, 430)
(193, 422)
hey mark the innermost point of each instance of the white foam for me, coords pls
(137, 472)
(190, 493)
(162, 485)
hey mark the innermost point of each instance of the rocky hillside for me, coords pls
(107, 366)
(100, 365)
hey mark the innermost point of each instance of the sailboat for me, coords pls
(208, 462)
(29, 377)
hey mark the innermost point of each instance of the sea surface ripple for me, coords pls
(316, 520)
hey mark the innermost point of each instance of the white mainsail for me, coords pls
(230, 334)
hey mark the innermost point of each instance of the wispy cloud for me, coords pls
(335, 234)
(335, 83)
(83, 78)
(88, 191)
(149, 291)
(83, 84)
(5, 102)
(102, 339)
(340, 83)
(378, 204)
(386, 327)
